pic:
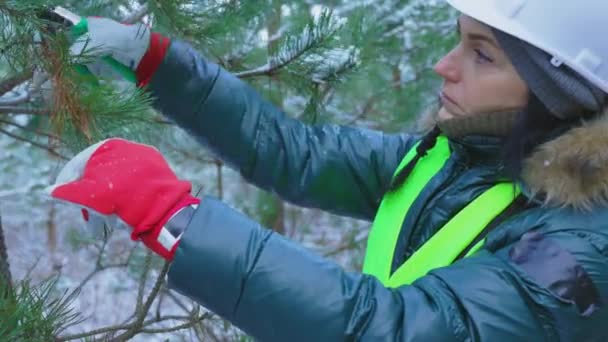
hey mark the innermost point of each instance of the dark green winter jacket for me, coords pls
(541, 276)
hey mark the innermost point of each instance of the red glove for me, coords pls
(131, 181)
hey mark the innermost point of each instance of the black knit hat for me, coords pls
(562, 90)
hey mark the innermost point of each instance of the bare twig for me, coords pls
(346, 246)
(157, 286)
(166, 330)
(33, 143)
(95, 332)
(166, 318)
(161, 120)
(98, 270)
(142, 281)
(52, 230)
(35, 131)
(115, 328)
(99, 266)
(134, 327)
(23, 110)
(195, 157)
(14, 192)
(220, 179)
(28, 273)
(159, 303)
(365, 110)
(143, 311)
(13, 101)
(176, 300)
(205, 332)
(178, 327)
(10, 83)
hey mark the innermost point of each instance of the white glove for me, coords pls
(126, 44)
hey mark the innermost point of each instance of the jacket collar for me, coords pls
(571, 170)
(478, 149)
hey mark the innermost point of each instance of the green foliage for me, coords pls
(81, 110)
(354, 62)
(35, 313)
(344, 63)
(266, 209)
(121, 114)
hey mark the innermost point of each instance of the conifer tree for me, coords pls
(363, 63)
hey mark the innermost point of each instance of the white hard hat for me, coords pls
(567, 30)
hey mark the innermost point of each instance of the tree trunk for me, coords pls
(277, 223)
(51, 231)
(5, 271)
(7, 296)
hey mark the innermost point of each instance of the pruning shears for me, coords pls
(78, 28)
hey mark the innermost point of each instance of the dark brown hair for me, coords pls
(534, 126)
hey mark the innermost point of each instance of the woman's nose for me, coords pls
(447, 67)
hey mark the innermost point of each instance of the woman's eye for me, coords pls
(482, 57)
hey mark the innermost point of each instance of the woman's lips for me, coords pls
(451, 105)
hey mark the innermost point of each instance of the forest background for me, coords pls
(363, 63)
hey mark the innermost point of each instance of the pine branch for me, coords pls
(314, 35)
(37, 313)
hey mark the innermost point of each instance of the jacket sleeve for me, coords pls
(335, 168)
(275, 290)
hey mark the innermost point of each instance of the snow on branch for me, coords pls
(314, 35)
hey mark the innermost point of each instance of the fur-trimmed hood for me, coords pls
(568, 171)
(572, 169)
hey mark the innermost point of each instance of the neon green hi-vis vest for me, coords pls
(451, 240)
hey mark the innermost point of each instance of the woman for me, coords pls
(507, 187)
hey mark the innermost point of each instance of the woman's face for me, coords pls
(478, 76)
